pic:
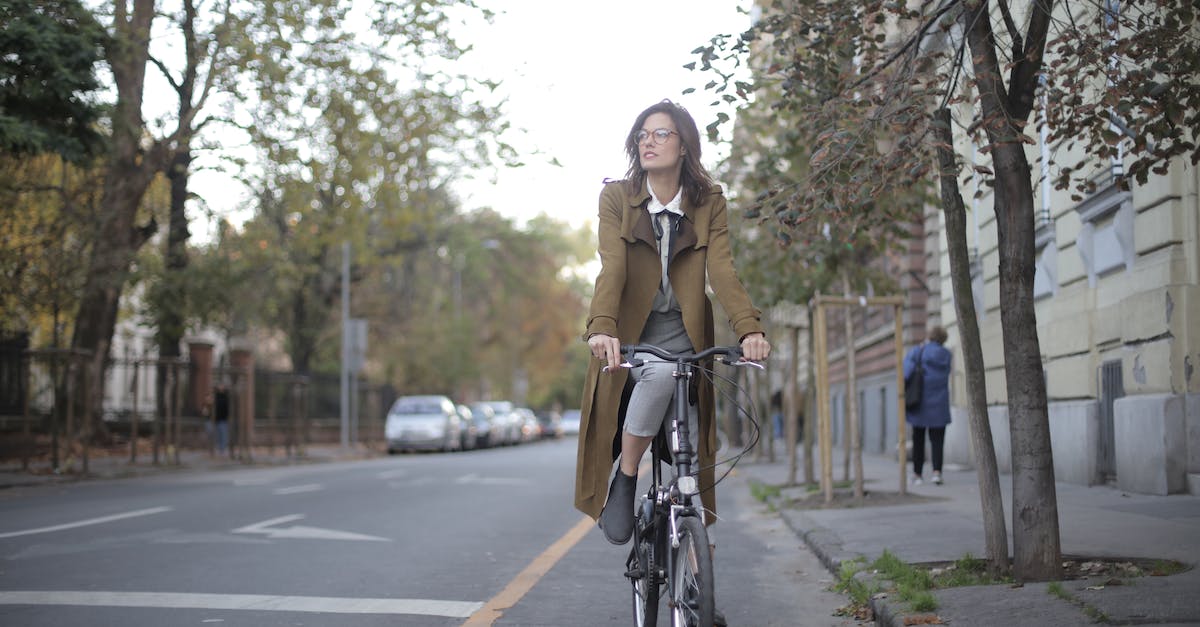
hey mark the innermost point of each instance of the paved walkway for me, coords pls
(113, 466)
(1100, 522)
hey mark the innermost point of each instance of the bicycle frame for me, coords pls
(668, 507)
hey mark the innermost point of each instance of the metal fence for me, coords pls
(152, 408)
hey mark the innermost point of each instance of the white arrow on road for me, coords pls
(268, 528)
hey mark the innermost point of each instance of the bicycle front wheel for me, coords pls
(692, 601)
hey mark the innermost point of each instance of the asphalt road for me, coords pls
(475, 538)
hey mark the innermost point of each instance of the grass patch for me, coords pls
(913, 584)
(851, 585)
(923, 602)
(764, 492)
(968, 570)
(1056, 589)
(1165, 568)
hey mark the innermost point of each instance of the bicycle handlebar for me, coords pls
(731, 355)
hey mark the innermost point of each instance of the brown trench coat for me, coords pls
(629, 278)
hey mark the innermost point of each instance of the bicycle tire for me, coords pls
(691, 581)
(646, 587)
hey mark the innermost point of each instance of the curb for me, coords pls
(827, 546)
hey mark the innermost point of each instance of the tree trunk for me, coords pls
(1037, 554)
(130, 170)
(994, 532)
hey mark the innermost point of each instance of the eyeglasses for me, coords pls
(660, 135)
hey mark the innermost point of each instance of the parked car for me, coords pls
(429, 422)
(487, 432)
(570, 422)
(468, 430)
(551, 422)
(527, 422)
(506, 421)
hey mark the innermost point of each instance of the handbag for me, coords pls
(914, 383)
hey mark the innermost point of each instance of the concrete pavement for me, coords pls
(1094, 522)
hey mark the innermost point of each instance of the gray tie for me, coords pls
(664, 243)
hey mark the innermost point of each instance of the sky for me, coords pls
(576, 75)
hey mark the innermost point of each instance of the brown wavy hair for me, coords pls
(696, 182)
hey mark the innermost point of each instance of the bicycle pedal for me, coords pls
(635, 573)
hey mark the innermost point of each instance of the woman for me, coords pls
(663, 232)
(933, 414)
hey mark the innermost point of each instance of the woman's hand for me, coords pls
(606, 348)
(755, 347)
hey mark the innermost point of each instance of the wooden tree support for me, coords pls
(821, 354)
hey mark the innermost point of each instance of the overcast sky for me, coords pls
(575, 75)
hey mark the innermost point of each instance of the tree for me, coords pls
(48, 57)
(223, 46)
(788, 253)
(50, 206)
(909, 61)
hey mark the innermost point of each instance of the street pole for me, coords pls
(345, 383)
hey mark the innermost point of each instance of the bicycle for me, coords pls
(668, 527)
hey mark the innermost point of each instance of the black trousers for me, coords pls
(937, 437)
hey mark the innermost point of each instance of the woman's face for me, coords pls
(659, 151)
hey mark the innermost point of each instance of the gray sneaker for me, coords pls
(937, 478)
(917, 480)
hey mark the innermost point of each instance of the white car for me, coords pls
(570, 421)
(427, 422)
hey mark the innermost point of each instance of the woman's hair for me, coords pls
(694, 179)
(937, 334)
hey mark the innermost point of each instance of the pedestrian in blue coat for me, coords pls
(933, 414)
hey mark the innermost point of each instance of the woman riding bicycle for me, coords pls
(663, 233)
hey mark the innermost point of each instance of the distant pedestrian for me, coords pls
(221, 418)
(932, 413)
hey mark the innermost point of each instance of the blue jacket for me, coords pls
(935, 397)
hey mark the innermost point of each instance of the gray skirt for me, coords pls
(651, 401)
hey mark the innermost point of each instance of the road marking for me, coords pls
(420, 481)
(297, 489)
(392, 474)
(528, 578)
(257, 602)
(268, 528)
(474, 478)
(84, 523)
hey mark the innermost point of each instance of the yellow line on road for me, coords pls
(528, 578)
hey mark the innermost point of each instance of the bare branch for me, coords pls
(1013, 31)
(1023, 78)
(912, 41)
(165, 72)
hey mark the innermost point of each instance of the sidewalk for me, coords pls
(1095, 522)
(116, 466)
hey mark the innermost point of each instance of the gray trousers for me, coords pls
(651, 401)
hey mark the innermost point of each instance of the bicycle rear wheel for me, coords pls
(692, 602)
